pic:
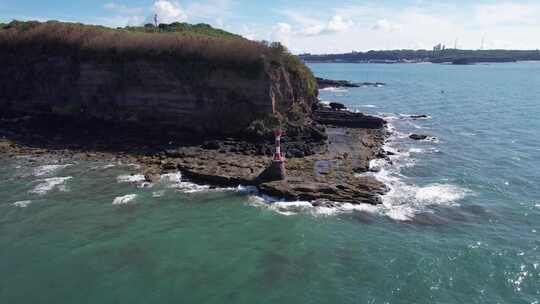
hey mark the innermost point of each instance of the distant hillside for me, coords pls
(449, 55)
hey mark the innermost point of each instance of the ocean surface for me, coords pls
(461, 223)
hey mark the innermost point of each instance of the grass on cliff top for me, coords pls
(178, 41)
(196, 44)
(199, 48)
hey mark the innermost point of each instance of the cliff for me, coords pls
(206, 84)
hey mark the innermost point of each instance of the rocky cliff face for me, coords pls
(182, 95)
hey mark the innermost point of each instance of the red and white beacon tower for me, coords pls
(276, 170)
(278, 155)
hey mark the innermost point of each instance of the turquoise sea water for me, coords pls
(460, 225)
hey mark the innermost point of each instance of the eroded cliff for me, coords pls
(151, 79)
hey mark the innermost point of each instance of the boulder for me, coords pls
(337, 106)
(418, 137)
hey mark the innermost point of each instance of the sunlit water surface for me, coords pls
(460, 224)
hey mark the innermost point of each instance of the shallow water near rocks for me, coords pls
(460, 224)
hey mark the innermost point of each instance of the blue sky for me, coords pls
(318, 26)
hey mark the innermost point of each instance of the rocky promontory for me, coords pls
(175, 102)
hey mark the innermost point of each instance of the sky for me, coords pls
(318, 27)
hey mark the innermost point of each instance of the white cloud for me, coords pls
(168, 11)
(507, 13)
(282, 32)
(385, 26)
(507, 25)
(122, 9)
(335, 25)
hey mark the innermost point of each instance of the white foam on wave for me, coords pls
(49, 184)
(175, 181)
(103, 167)
(131, 178)
(305, 207)
(22, 204)
(334, 90)
(48, 170)
(159, 193)
(122, 200)
(416, 150)
(403, 201)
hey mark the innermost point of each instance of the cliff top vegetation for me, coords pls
(197, 45)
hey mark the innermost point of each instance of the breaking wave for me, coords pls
(403, 201)
(175, 181)
(303, 207)
(131, 178)
(48, 170)
(334, 90)
(22, 204)
(122, 200)
(50, 184)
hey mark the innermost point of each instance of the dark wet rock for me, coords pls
(337, 106)
(329, 83)
(274, 172)
(211, 145)
(422, 116)
(348, 119)
(372, 84)
(418, 137)
(168, 166)
(359, 170)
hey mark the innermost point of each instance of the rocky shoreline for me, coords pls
(323, 169)
(324, 83)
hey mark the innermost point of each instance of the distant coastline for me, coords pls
(453, 56)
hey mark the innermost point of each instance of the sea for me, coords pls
(460, 224)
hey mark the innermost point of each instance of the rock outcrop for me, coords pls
(329, 83)
(202, 94)
(223, 102)
(348, 119)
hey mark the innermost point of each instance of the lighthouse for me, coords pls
(278, 156)
(276, 170)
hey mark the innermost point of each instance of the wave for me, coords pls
(175, 181)
(302, 207)
(122, 200)
(131, 178)
(403, 201)
(49, 184)
(103, 167)
(159, 193)
(22, 204)
(48, 170)
(334, 90)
